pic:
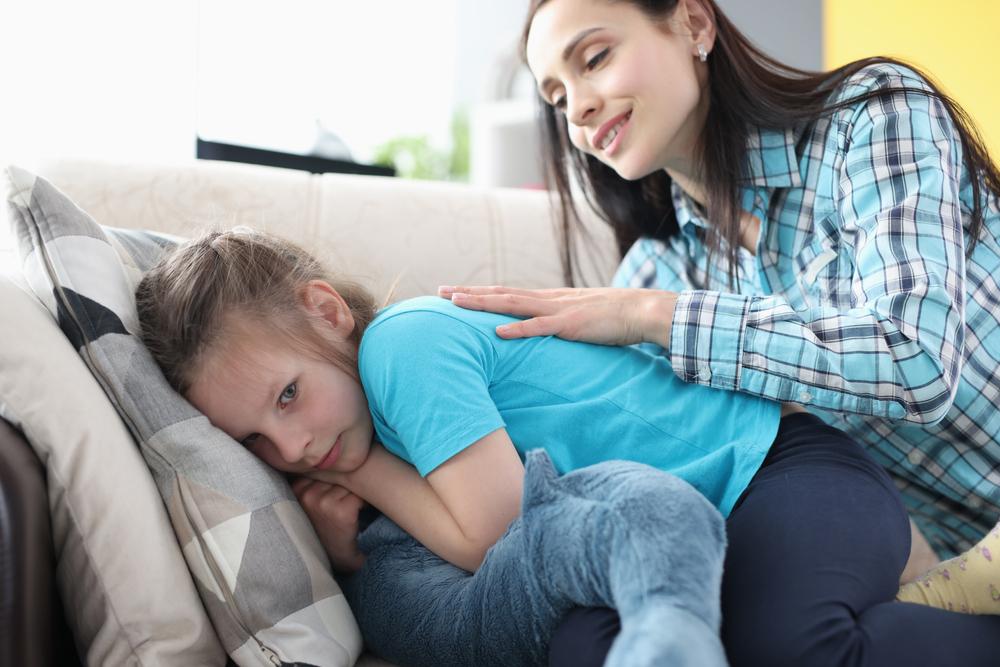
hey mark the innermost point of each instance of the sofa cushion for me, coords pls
(116, 554)
(257, 564)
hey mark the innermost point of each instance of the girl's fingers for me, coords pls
(305, 488)
(300, 484)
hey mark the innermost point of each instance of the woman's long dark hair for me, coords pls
(747, 90)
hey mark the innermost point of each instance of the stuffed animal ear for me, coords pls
(540, 477)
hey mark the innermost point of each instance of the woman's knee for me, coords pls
(584, 637)
(818, 645)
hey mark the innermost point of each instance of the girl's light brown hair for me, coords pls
(239, 280)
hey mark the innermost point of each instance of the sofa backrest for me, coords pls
(377, 230)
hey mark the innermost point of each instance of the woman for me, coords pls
(827, 239)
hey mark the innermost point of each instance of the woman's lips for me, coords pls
(621, 122)
(331, 456)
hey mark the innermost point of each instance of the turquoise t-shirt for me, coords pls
(438, 379)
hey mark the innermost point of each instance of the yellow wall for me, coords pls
(956, 42)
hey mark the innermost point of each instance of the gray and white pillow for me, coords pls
(259, 568)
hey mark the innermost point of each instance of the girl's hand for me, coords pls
(607, 315)
(333, 512)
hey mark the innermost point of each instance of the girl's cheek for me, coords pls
(269, 455)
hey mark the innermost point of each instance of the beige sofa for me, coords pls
(386, 232)
(389, 233)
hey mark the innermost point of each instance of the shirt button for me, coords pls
(704, 372)
(974, 502)
(915, 456)
(805, 397)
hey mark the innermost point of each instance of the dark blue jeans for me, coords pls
(816, 545)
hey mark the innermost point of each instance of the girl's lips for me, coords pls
(331, 456)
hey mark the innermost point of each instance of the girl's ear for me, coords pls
(699, 20)
(320, 299)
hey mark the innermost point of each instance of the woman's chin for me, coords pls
(632, 171)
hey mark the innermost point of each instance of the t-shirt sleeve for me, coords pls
(427, 378)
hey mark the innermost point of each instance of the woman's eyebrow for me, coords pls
(567, 52)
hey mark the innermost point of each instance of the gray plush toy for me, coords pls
(617, 534)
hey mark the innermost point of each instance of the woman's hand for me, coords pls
(607, 315)
(333, 512)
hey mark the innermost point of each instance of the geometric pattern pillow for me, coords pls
(259, 568)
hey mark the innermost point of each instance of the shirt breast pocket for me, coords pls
(824, 274)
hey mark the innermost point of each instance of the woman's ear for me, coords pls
(320, 299)
(699, 20)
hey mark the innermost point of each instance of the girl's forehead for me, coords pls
(245, 362)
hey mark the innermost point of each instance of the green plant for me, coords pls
(413, 156)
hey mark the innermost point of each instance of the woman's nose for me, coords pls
(581, 105)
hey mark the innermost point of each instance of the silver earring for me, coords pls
(702, 53)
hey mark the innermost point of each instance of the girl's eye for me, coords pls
(249, 440)
(560, 103)
(596, 60)
(288, 395)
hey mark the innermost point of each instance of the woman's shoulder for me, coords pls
(880, 76)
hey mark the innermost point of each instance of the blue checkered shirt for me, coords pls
(859, 302)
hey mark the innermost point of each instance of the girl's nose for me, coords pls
(290, 443)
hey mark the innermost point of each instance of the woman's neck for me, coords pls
(749, 224)
(689, 184)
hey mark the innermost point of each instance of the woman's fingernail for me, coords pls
(458, 296)
(445, 289)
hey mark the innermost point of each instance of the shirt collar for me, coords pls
(771, 160)
(771, 163)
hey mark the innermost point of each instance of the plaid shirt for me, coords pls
(859, 303)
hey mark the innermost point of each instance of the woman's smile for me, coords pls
(610, 135)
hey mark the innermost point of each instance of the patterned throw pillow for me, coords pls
(259, 568)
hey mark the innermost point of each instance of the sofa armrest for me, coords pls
(32, 627)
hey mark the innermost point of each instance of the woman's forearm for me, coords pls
(657, 316)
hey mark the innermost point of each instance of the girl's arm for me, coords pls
(460, 510)
(333, 511)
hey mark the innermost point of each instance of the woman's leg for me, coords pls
(584, 637)
(816, 546)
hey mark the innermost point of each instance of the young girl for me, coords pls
(254, 333)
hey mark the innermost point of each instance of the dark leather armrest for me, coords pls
(32, 626)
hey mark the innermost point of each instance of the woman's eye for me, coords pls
(249, 440)
(288, 395)
(596, 60)
(559, 103)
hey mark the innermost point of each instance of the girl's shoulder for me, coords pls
(431, 311)
(424, 337)
(432, 304)
(411, 317)
(430, 321)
